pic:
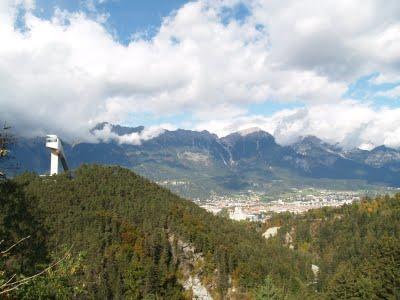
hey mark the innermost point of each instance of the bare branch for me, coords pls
(8, 281)
(9, 249)
(14, 285)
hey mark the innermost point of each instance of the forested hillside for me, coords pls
(356, 247)
(107, 233)
(126, 231)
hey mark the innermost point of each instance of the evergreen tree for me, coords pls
(268, 291)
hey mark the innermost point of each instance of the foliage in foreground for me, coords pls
(124, 224)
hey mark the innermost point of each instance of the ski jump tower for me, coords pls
(57, 153)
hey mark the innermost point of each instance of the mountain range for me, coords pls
(196, 163)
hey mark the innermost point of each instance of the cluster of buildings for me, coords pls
(171, 182)
(250, 206)
(256, 206)
(238, 207)
(319, 195)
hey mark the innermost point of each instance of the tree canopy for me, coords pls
(126, 236)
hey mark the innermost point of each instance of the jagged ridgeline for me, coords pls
(137, 240)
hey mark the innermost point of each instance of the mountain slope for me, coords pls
(137, 240)
(203, 163)
(378, 157)
(324, 160)
(131, 229)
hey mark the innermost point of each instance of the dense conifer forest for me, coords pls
(356, 247)
(107, 233)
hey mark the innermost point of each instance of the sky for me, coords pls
(292, 68)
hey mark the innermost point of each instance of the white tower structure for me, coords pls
(57, 153)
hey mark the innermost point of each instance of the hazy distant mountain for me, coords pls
(381, 156)
(254, 145)
(314, 146)
(249, 159)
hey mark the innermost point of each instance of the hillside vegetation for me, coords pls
(116, 235)
(356, 247)
(122, 225)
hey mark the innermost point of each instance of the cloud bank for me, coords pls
(349, 123)
(136, 138)
(68, 73)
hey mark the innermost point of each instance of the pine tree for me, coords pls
(268, 291)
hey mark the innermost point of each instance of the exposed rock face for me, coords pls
(198, 290)
(315, 270)
(195, 157)
(189, 261)
(271, 232)
(289, 240)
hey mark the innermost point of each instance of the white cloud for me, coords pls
(385, 78)
(393, 93)
(340, 39)
(136, 138)
(66, 74)
(71, 68)
(349, 123)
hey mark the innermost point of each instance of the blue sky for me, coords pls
(287, 67)
(125, 17)
(365, 89)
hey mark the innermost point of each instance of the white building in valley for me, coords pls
(238, 214)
